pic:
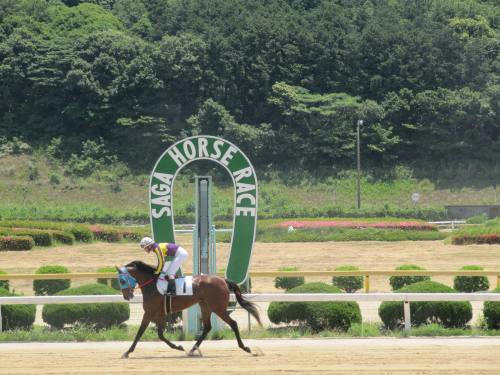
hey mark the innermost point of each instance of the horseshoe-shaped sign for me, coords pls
(241, 170)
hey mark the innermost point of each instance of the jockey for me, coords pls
(163, 250)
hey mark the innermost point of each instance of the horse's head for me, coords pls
(127, 282)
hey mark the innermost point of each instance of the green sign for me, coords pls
(245, 195)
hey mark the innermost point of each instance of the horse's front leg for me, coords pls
(144, 324)
(160, 327)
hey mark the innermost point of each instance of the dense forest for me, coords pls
(285, 80)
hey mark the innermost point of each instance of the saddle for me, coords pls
(182, 286)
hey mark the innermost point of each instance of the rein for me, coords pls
(145, 283)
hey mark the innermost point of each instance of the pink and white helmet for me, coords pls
(145, 242)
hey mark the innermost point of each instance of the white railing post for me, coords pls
(407, 316)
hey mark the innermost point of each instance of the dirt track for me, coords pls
(302, 356)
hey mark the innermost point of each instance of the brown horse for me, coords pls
(210, 292)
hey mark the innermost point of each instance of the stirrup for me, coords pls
(171, 287)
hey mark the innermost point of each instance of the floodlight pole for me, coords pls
(359, 123)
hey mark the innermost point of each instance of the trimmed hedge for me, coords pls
(448, 314)
(470, 284)
(106, 281)
(63, 237)
(348, 283)
(397, 282)
(107, 235)
(469, 239)
(81, 232)
(16, 316)
(41, 237)
(4, 283)
(16, 243)
(288, 282)
(95, 315)
(316, 315)
(50, 287)
(491, 312)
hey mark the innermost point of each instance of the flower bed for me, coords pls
(403, 225)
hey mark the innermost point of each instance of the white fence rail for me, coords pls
(274, 297)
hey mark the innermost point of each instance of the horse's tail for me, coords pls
(247, 305)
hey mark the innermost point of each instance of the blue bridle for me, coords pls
(126, 280)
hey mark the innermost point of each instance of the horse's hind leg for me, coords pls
(234, 326)
(207, 326)
(160, 327)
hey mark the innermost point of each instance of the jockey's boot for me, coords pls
(171, 287)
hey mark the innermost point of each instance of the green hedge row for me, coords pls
(315, 315)
(448, 314)
(16, 316)
(96, 315)
(16, 243)
(80, 232)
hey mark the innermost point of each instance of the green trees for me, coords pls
(288, 79)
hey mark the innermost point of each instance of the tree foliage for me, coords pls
(286, 79)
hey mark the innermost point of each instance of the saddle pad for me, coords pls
(183, 286)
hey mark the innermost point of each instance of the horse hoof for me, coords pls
(125, 356)
(257, 352)
(180, 348)
(192, 352)
(247, 349)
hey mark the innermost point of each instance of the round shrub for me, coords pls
(16, 316)
(16, 243)
(288, 282)
(316, 315)
(63, 237)
(95, 315)
(448, 314)
(348, 283)
(50, 287)
(491, 312)
(397, 282)
(4, 283)
(470, 284)
(113, 281)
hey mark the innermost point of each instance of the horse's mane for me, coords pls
(142, 267)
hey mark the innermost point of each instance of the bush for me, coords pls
(4, 283)
(491, 312)
(288, 282)
(95, 315)
(41, 237)
(16, 243)
(397, 282)
(114, 281)
(63, 237)
(348, 283)
(107, 235)
(470, 284)
(448, 314)
(82, 233)
(50, 287)
(16, 316)
(316, 315)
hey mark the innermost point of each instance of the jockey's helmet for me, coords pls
(145, 242)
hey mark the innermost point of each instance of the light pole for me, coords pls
(359, 123)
